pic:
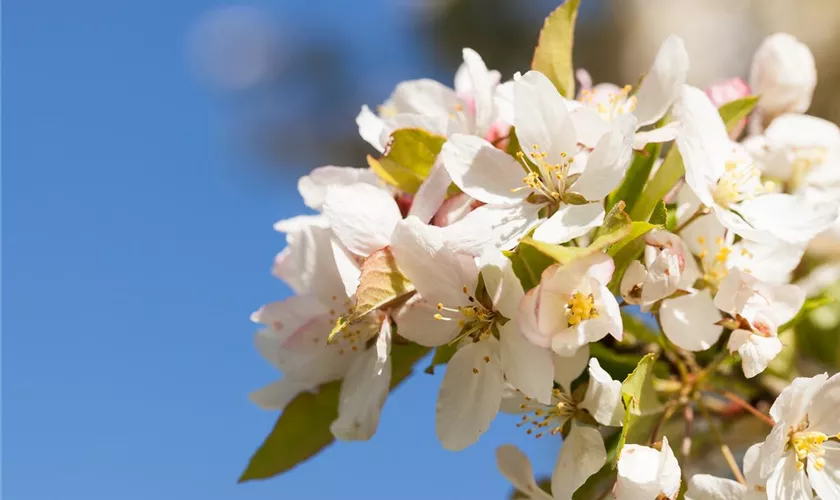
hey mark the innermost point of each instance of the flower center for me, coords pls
(740, 181)
(804, 161)
(550, 179)
(580, 308)
(612, 104)
(543, 418)
(475, 320)
(808, 443)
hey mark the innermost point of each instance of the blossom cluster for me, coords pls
(519, 227)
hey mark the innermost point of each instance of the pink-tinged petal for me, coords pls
(689, 321)
(663, 83)
(528, 367)
(582, 455)
(527, 318)
(432, 193)
(313, 187)
(307, 263)
(541, 117)
(482, 171)
(608, 162)
(470, 394)
(570, 222)
(515, 466)
(362, 216)
(483, 85)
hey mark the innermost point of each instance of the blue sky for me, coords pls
(136, 240)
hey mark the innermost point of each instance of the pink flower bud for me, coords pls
(726, 91)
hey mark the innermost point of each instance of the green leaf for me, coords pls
(637, 175)
(733, 112)
(662, 182)
(659, 217)
(553, 55)
(528, 264)
(303, 428)
(408, 158)
(381, 284)
(640, 402)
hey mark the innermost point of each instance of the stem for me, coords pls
(745, 405)
(724, 449)
(666, 415)
(701, 211)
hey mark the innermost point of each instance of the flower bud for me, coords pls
(784, 75)
(726, 91)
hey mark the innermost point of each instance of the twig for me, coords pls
(701, 211)
(688, 417)
(724, 449)
(745, 405)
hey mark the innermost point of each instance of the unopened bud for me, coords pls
(784, 75)
(726, 91)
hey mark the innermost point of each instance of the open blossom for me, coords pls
(722, 175)
(660, 275)
(647, 473)
(783, 74)
(550, 174)
(583, 452)
(759, 309)
(661, 85)
(707, 487)
(450, 308)
(803, 449)
(572, 306)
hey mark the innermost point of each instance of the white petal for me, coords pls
(791, 404)
(665, 133)
(434, 124)
(703, 143)
(569, 340)
(826, 482)
(362, 216)
(363, 393)
(568, 368)
(287, 317)
(483, 85)
(415, 245)
(638, 473)
(752, 467)
(277, 395)
(608, 162)
(689, 321)
(790, 218)
(589, 124)
(633, 277)
(570, 222)
(670, 475)
(822, 414)
(663, 83)
(528, 367)
(706, 487)
(603, 396)
(582, 455)
(609, 312)
(541, 117)
(313, 187)
(787, 301)
(501, 282)
(494, 225)
(756, 351)
(432, 192)
(772, 449)
(417, 323)
(482, 171)
(515, 466)
(307, 263)
(348, 268)
(425, 97)
(470, 395)
(786, 482)
(370, 128)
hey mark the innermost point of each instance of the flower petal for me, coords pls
(789, 218)
(689, 321)
(663, 83)
(756, 351)
(568, 368)
(515, 466)
(370, 128)
(470, 394)
(528, 367)
(822, 412)
(432, 192)
(603, 396)
(707, 487)
(482, 171)
(528, 313)
(541, 117)
(313, 187)
(787, 482)
(363, 394)
(582, 455)
(501, 282)
(608, 162)
(569, 222)
(362, 216)
(665, 133)
(416, 319)
(826, 481)
(277, 395)
(589, 124)
(483, 85)
(498, 226)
